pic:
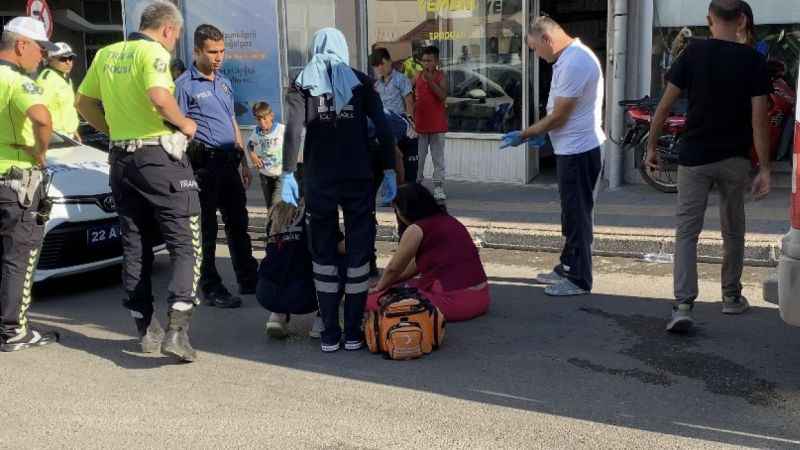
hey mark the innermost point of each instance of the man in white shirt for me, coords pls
(574, 123)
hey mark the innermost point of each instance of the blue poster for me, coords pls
(252, 58)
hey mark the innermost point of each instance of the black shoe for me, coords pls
(151, 335)
(32, 338)
(247, 289)
(176, 342)
(221, 298)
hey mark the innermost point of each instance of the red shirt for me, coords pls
(430, 115)
(447, 254)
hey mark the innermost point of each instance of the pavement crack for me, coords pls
(673, 354)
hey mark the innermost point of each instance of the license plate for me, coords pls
(103, 234)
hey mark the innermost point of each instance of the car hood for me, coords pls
(77, 171)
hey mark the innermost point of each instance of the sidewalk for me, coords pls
(630, 222)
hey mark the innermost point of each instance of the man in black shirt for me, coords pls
(727, 85)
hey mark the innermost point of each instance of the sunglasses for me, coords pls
(66, 58)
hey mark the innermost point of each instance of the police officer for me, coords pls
(25, 129)
(206, 96)
(151, 179)
(58, 90)
(333, 101)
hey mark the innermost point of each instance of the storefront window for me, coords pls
(480, 44)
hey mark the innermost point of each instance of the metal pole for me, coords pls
(616, 160)
(647, 18)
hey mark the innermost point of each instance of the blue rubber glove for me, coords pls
(512, 139)
(290, 192)
(388, 187)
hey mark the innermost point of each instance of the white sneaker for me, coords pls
(681, 320)
(277, 326)
(317, 328)
(438, 194)
(734, 305)
(549, 278)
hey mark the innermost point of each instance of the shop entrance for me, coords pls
(584, 19)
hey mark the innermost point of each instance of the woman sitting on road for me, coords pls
(436, 255)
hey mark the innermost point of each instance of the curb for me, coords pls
(760, 252)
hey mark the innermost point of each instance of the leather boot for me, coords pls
(150, 333)
(176, 343)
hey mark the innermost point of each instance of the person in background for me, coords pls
(430, 118)
(176, 68)
(217, 156)
(727, 116)
(397, 95)
(437, 256)
(265, 150)
(59, 92)
(574, 124)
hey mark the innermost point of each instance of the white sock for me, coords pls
(137, 314)
(182, 306)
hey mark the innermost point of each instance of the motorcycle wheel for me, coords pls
(664, 179)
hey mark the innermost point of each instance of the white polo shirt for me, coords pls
(577, 74)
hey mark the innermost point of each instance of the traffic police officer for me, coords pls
(333, 100)
(151, 179)
(25, 129)
(58, 90)
(206, 96)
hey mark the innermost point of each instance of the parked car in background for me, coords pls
(483, 97)
(83, 232)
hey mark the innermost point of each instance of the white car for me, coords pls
(83, 232)
(789, 266)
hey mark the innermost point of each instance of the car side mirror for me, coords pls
(477, 94)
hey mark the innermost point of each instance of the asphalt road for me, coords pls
(589, 372)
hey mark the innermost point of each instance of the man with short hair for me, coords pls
(727, 83)
(574, 123)
(25, 129)
(217, 155)
(58, 90)
(151, 178)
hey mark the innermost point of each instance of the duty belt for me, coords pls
(131, 145)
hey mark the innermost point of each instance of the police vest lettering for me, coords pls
(187, 184)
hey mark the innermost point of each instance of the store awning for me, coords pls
(680, 13)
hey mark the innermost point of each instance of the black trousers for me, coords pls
(20, 242)
(410, 150)
(577, 183)
(218, 175)
(357, 203)
(155, 194)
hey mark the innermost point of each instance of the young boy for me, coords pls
(430, 118)
(265, 149)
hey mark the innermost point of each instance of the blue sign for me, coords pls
(252, 53)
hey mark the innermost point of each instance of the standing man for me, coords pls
(25, 128)
(58, 90)
(397, 96)
(333, 101)
(574, 123)
(728, 86)
(217, 155)
(151, 179)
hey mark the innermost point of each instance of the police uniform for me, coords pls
(338, 173)
(60, 98)
(21, 226)
(216, 160)
(153, 192)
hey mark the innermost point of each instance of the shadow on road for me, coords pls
(599, 358)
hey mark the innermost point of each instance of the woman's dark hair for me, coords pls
(415, 202)
(751, 25)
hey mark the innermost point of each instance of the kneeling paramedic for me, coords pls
(333, 101)
(25, 129)
(151, 178)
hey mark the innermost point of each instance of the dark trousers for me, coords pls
(410, 150)
(155, 194)
(357, 203)
(221, 188)
(577, 182)
(20, 242)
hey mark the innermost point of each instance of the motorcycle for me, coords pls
(665, 177)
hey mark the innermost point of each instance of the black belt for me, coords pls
(201, 155)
